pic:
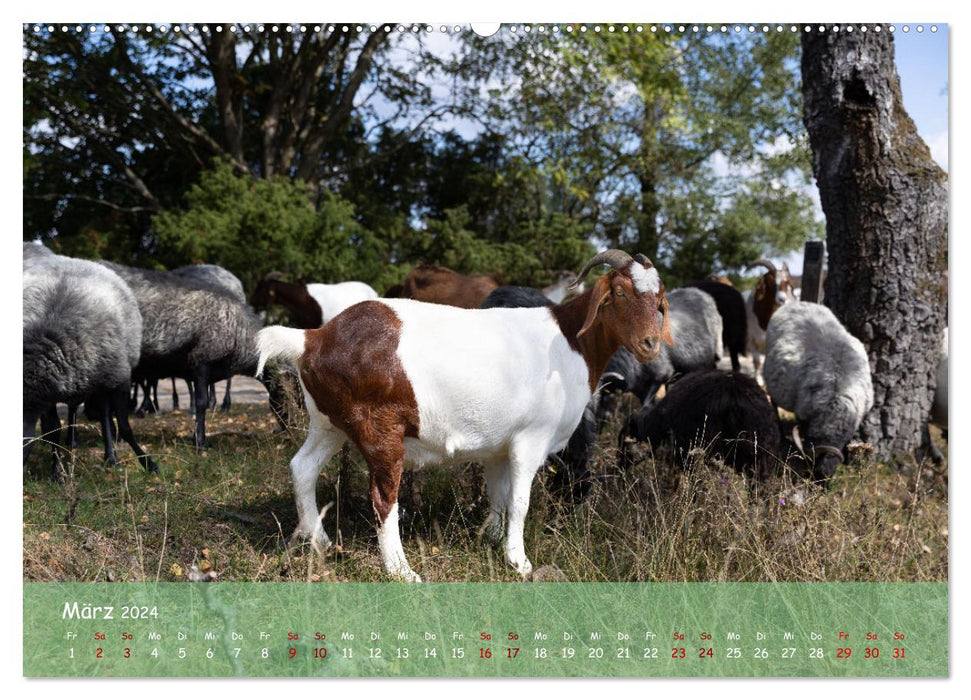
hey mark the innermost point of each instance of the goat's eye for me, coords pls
(618, 291)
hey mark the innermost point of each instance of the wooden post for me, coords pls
(813, 259)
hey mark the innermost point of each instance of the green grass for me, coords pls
(230, 511)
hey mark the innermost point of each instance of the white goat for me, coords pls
(420, 383)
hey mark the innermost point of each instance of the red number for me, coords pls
(512, 652)
(844, 653)
(100, 652)
(485, 653)
(292, 651)
(320, 652)
(899, 652)
(871, 653)
(702, 653)
(677, 653)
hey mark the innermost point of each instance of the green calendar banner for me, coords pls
(441, 630)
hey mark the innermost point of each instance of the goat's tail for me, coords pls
(279, 341)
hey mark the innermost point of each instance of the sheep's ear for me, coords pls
(666, 320)
(601, 290)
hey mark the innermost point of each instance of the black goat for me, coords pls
(731, 307)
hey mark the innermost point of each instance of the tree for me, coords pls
(687, 147)
(116, 123)
(885, 201)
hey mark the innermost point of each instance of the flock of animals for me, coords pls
(448, 367)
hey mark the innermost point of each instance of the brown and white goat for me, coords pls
(312, 305)
(773, 289)
(440, 285)
(409, 382)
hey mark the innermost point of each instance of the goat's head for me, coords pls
(773, 289)
(265, 291)
(628, 303)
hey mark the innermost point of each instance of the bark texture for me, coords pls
(886, 206)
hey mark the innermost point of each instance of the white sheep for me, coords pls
(816, 369)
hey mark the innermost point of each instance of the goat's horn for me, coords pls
(275, 275)
(762, 261)
(796, 439)
(617, 259)
(831, 450)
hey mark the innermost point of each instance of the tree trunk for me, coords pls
(886, 206)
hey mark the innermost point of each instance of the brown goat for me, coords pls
(440, 285)
(408, 382)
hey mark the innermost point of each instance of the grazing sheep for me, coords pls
(817, 370)
(731, 307)
(82, 337)
(410, 382)
(725, 413)
(191, 331)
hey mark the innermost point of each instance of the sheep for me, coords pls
(773, 289)
(221, 279)
(817, 370)
(731, 307)
(312, 305)
(191, 331)
(440, 285)
(410, 382)
(725, 413)
(511, 297)
(82, 338)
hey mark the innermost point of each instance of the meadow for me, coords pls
(227, 514)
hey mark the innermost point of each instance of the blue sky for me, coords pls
(922, 63)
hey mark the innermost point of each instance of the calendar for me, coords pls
(580, 349)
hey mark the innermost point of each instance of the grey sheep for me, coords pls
(212, 277)
(82, 339)
(817, 370)
(191, 331)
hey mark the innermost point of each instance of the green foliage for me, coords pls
(252, 226)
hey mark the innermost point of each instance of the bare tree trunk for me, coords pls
(886, 206)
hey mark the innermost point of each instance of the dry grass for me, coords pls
(228, 512)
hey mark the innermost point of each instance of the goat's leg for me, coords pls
(211, 403)
(201, 382)
(385, 458)
(192, 396)
(323, 442)
(227, 401)
(497, 487)
(525, 459)
(120, 409)
(175, 396)
(50, 426)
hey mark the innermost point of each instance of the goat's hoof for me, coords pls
(407, 576)
(524, 567)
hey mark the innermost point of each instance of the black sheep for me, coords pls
(725, 413)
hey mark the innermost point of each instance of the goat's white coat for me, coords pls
(334, 298)
(646, 280)
(497, 386)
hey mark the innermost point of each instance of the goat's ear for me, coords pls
(665, 322)
(760, 289)
(601, 290)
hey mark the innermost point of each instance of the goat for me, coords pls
(82, 337)
(191, 331)
(817, 370)
(725, 413)
(939, 408)
(564, 287)
(440, 285)
(731, 307)
(312, 305)
(696, 329)
(421, 383)
(773, 289)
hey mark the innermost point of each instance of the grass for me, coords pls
(227, 513)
